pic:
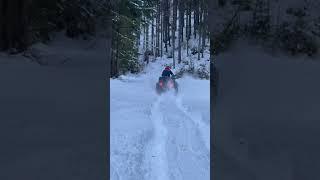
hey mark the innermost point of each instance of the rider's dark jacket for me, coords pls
(167, 73)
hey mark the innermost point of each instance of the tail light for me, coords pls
(160, 83)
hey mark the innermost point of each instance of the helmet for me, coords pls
(167, 68)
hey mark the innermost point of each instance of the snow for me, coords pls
(269, 102)
(53, 117)
(159, 137)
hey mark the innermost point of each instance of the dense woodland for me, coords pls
(290, 26)
(165, 26)
(167, 23)
(24, 22)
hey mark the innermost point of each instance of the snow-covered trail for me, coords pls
(178, 150)
(159, 137)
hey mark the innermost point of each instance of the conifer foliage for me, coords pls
(277, 25)
(24, 22)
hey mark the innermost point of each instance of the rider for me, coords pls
(167, 72)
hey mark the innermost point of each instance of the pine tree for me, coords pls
(174, 23)
(261, 18)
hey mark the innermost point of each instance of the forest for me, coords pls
(263, 91)
(25, 22)
(160, 27)
(160, 131)
(164, 25)
(290, 26)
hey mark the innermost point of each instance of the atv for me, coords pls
(166, 84)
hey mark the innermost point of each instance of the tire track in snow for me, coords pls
(186, 152)
(177, 151)
(114, 171)
(197, 119)
(156, 157)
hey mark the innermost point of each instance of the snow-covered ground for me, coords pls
(53, 118)
(270, 103)
(159, 137)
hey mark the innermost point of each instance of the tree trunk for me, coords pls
(196, 19)
(204, 31)
(152, 34)
(3, 40)
(114, 70)
(161, 32)
(109, 44)
(188, 31)
(14, 24)
(187, 28)
(147, 34)
(180, 30)
(164, 24)
(181, 18)
(200, 30)
(158, 32)
(174, 24)
(168, 21)
(117, 56)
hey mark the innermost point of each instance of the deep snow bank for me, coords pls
(271, 103)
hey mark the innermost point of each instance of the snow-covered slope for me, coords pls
(159, 137)
(270, 104)
(63, 54)
(53, 118)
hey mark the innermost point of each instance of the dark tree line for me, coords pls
(14, 23)
(24, 22)
(166, 25)
(275, 25)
